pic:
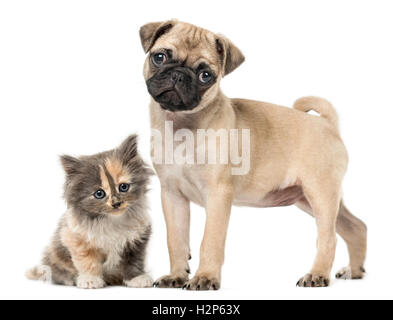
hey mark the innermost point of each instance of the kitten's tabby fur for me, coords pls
(101, 241)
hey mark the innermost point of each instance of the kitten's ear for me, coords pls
(70, 164)
(128, 150)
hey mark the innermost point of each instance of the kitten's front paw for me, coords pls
(90, 282)
(143, 281)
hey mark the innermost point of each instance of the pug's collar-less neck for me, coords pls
(203, 118)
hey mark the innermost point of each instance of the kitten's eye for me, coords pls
(205, 77)
(99, 194)
(159, 59)
(124, 187)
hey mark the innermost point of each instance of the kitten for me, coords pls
(101, 239)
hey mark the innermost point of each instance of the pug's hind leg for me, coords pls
(325, 205)
(354, 233)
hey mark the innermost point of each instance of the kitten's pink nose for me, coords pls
(116, 205)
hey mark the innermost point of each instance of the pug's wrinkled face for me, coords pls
(179, 84)
(185, 64)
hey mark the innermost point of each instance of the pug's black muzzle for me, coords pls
(175, 88)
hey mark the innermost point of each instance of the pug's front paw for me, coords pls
(313, 281)
(348, 273)
(171, 281)
(203, 282)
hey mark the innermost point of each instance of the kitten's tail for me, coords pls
(320, 105)
(41, 273)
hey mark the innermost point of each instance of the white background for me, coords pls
(71, 82)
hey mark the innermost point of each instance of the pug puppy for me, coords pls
(295, 158)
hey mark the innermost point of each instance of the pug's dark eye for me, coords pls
(205, 77)
(159, 59)
(124, 187)
(100, 194)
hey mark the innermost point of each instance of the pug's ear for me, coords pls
(231, 57)
(150, 33)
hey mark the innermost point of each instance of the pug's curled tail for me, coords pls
(41, 273)
(319, 105)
